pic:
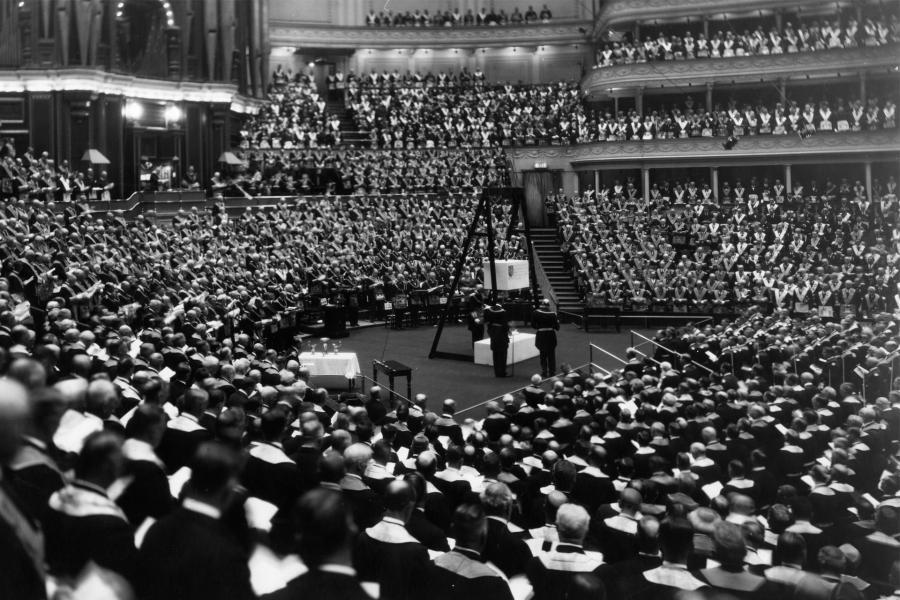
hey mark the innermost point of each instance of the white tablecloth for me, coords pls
(344, 364)
(521, 347)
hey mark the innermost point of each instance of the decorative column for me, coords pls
(639, 101)
(788, 184)
(869, 180)
(709, 98)
(645, 183)
(714, 182)
(862, 87)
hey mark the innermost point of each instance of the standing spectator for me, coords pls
(192, 554)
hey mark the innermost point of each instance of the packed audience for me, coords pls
(812, 36)
(33, 176)
(819, 248)
(295, 116)
(360, 172)
(455, 18)
(458, 110)
(741, 460)
(208, 268)
(735, 119)
(468, 114)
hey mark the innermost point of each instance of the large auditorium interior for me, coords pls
(449, 300)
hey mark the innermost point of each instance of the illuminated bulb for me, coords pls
(173, 113)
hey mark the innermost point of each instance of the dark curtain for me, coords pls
(539, 184)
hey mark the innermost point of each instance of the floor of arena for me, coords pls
(467, 383)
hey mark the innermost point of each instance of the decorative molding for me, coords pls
(285, 33)
(38, 81)
(698, 72)
(884, 143)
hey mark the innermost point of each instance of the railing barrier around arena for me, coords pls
(384, 387)
(658, 345)
(591, 365)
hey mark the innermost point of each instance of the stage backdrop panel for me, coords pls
(511, 274)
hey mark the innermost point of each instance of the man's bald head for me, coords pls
(572, 523)
(357, 458)
(630, 500)
(399, 499)
(29, 372)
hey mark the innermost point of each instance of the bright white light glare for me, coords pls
(172, 113)
(134, 110)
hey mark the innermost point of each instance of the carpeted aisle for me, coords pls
(470, 384)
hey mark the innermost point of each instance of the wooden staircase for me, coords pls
(546, 247)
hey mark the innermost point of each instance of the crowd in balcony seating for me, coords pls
(812, 36)
(37, 176)
(738, 119)
(353, 171)
(146, 450)
(295, 116)
(820, 248)
(455, 18)
(467, 114)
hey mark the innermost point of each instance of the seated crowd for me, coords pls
(741, 460)
(360, 172)
(38, 177)
(807, 36)
(208, 270)
(469, 114)
(816, 249)
(295, 116)
(454, 18)
(734, 120)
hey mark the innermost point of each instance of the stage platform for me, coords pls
(467, 383)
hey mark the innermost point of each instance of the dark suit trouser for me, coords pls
(499, 360)
(548, 361)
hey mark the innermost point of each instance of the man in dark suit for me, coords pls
(148, 494)
(623, 578)
(552, 572)
(83, 523)
(594, 487)
(461, 574)
(34, 473)
(191, 554)
(386, 553)
(546, 322)
(21, 542)
(363, 501)
(672, 578)
(324, 535)
(504, 547)
(474, 315)
(270, 474)
(446, 424)
(732, 577)
(418, 525)
(498, 330)
(184, 433)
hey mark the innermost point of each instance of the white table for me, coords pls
(344, 364)
(521, 347)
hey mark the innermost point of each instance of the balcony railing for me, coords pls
(754, 149)
(286, 33)
(701, 71)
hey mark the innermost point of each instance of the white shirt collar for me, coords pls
(202, 508)
(339, 569)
